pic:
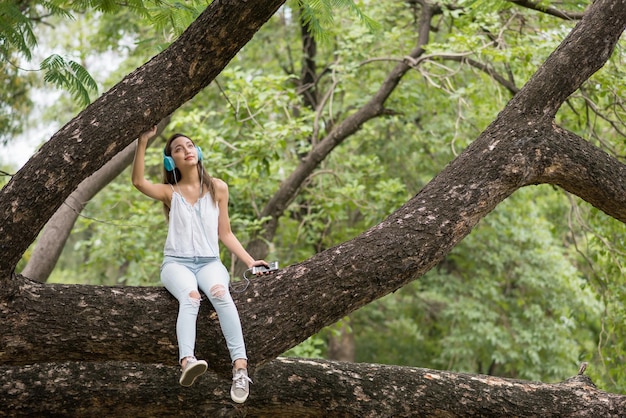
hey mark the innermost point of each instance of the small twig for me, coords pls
(583, 367)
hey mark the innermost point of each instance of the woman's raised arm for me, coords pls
(145, 186)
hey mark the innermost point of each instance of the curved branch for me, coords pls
(550, 10)
(372, 109)
(567, 160)
(585, 50)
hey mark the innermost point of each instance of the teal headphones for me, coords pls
(170, 165)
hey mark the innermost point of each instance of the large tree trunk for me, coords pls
(294, 388)
(46, 325)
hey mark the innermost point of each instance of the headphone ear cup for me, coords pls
(199, 150)
(168, 163)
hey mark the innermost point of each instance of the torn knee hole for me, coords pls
(194, 298)
(218, 291)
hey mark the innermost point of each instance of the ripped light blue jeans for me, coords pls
(181, 276)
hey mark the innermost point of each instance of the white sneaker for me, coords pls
(192, 370)
(240, 388)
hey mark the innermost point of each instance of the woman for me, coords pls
(196, 206)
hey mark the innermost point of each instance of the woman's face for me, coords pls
(184, 152)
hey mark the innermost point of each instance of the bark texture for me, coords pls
(293, 388)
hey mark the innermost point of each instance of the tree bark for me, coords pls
(46, 325)
(294, 388)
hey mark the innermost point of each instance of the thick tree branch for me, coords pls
(295, 388)
(585, 50)
(562, 166)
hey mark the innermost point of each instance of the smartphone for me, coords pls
(262, 269)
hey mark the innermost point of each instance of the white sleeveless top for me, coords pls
(192, 230)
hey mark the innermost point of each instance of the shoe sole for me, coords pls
(236, 399)
(190, 374)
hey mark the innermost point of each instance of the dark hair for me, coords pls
(172, 177)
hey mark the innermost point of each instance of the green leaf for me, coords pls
(318, 15)
(69, 75)
(16, 31)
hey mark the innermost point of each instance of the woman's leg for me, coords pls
(181, 283)
(213, 280)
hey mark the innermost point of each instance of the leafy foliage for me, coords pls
(19, 26)
(16, 31)
(507, 301)
(176, 16)
(318, 15)
(601, 250)
(70, 75)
